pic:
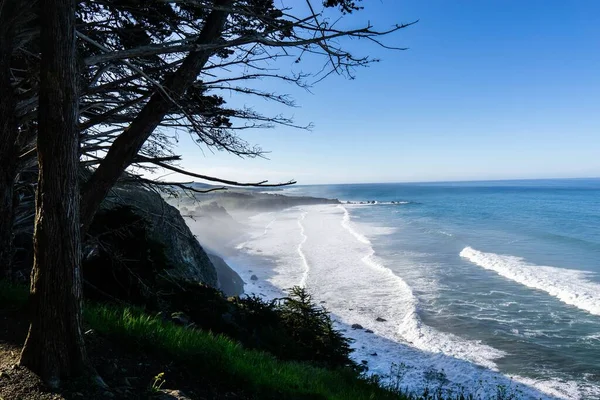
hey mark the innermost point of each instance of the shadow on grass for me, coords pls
(13, 314)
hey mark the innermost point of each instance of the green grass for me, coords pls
(226, 363)
(217, 359)
(12, 295)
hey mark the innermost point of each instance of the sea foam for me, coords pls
(322, 248)
(570, 286)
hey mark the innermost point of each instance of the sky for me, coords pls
(488, 89)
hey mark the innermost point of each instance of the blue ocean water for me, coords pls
(514, 265)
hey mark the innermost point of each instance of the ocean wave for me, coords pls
(325, 249)
(377, 202)
(301, 253)
(409, 326)
(569, 286)
(356, 286)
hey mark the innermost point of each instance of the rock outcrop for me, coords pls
(184, 254)
(230, 283)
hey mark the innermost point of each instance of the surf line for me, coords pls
(300, 252)
(268, 226)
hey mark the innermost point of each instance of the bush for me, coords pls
(310, 327)
(291, 328)
(225, 364)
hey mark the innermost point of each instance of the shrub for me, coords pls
(291, 328)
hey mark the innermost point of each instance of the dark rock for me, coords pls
(214, 210)
(184, 254)
(379, 319)
(364, 362)
(357, 326)
(368, 331)
(230, 283)
(180, 319)
(254, 277)
(374, 354)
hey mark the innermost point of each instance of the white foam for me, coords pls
(569, 286)
(375, 202)
(398, 302)
(562, 389)
(346, 224)
(301, 253)
(323, 248)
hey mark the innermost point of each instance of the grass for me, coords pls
(226, 363)
(12, 295)
(215, 358)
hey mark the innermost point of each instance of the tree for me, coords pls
(234, 34)
(54, 347)
(127, 145)
(16, 87)
(144, 69)
(8, 133)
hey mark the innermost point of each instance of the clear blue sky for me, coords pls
(488, 90)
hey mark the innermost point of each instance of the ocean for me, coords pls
(477, 287)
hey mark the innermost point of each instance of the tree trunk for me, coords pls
(126, 146)
(8, 135)
(54, 348)
(7, 214)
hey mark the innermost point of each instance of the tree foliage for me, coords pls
(140, 74)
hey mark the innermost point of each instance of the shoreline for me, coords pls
(436, 359)
(383, 356)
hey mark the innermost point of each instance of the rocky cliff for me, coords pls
(184, 254)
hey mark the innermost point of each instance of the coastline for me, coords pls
(278, 266)
(395, 361)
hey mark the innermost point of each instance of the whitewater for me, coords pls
(570, 286)
(325, 250)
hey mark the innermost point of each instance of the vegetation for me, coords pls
(12, 296)
(226, 363)
(231, 365)
(290, 328)
(218, 359)
(103, 87)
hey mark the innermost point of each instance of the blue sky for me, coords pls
(487, 90)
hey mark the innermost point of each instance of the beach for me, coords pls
(332, 251)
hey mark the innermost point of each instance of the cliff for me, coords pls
(184, 254)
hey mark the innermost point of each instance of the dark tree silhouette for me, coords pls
(54, 347)
(112, 99)
(8, 132)
(16, 90)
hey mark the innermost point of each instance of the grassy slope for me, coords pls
(216, 358)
